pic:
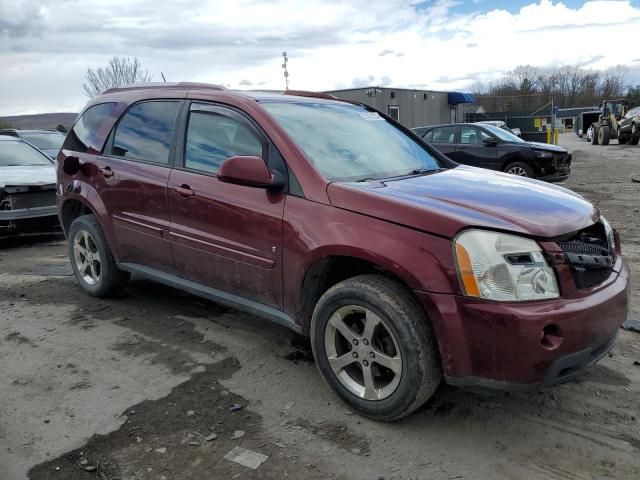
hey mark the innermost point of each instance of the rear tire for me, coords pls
(92, 260)
(520, 169)
(594, 136)
(604, 135)
(635, 134)
(362, 322)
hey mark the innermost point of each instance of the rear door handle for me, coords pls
(184, 191)
(106, 172)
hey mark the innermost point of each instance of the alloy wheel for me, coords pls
(87, 257)
(518, 171)
(363, 352)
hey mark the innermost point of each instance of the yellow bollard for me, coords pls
(555, 137)
(548, 135)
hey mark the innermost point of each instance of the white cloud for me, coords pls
(46, 46)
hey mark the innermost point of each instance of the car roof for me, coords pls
(446, 125)
(296, 96)
(52, 132)
(7, 138)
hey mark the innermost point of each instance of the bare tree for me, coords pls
(120, 71)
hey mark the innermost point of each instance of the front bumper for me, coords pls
(556, 177)
(503, 345)
(23, 213)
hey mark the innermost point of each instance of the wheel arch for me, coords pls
(331, 268)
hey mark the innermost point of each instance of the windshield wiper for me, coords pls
(421, 171)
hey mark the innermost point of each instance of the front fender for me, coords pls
(314, 231)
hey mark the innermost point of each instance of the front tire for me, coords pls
(622, 139)
(604, 135)
(594, 136)
(375, 348)
(520, 169)
(92, 260)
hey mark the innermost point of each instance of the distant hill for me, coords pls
(43, 121)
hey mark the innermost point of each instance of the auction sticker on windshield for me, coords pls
(371, 116)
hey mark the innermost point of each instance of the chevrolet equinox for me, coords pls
(330, 218)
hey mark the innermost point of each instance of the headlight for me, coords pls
(611, 238)
(541, 154)
(503, 267)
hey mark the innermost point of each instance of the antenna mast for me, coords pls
(286, 72)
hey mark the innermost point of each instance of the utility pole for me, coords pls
(286, 72)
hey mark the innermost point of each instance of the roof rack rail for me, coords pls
(176, 85)
(305, 93)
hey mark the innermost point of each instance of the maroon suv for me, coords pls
(332, 219)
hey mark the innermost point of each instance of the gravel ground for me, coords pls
(134, 388)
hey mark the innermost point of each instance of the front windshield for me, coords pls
(44, 141)
(17, 153)
(503, 134)
(346, 142)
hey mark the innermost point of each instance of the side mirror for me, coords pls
(490, 142)
(71, 165)
(250, 171)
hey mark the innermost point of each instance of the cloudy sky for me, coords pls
(47, 45)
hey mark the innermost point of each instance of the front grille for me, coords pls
(561, 161)
(589, 255)
(32, 199)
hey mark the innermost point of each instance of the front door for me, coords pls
(225, 236)
(471, 149)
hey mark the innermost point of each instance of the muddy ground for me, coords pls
(134, 388)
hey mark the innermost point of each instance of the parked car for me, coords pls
(488, 146)
(629, 127)
(402, 266)
(49, 141)
(27, 189)
(503, 125)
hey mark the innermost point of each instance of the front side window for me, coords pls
(14, 153)
(444, 135)
(468, 135)
(145, 131)
(212, 138)
(347, 142)
(86, 135)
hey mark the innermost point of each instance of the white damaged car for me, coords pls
(27, 189)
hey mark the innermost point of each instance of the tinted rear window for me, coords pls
(145, 132)
(86, 135)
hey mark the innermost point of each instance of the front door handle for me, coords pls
(184, 190)
(106, 172)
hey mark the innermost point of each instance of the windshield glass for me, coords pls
(503, 134)
(349, 143)
(16, 153)
(44, 141)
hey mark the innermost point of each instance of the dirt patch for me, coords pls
(19, 338)
(168, 437)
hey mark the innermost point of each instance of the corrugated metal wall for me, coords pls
(417, 107)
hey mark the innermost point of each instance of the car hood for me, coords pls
(27, 175)
(443, 203)
(547, 147)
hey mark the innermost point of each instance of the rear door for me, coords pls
(135, 167)
(225, 236)
(471, 150)
(444, 138)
